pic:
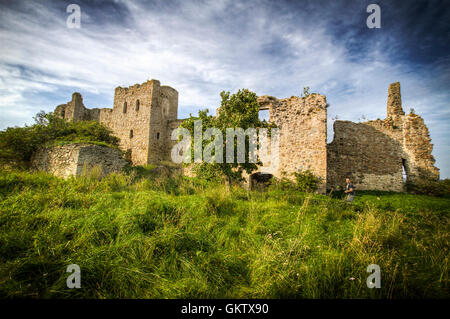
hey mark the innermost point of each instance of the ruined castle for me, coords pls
(374, 154)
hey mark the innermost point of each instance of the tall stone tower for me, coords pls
(394, 103)
(142, 118)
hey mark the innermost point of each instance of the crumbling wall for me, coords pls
(302, 124)
(76, 111)
(374, 154)
(139, 118)
(165, 110)
(60, 160)
(370, 158)
(74, 159)
(417, 149)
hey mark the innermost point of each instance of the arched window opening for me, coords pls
(137, 105)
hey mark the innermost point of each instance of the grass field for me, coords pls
(136, 236)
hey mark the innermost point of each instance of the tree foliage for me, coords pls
(306, 181)
(239, 110)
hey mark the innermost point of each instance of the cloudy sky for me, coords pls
(203, 47)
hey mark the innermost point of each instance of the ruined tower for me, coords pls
(382, 154)
(394, 102)
(73, 110)
(141, 118)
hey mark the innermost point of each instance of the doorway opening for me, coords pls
(404, 170)
(260, 180)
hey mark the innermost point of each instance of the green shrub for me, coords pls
(306, 181)
(282, 184)
(429, 187)
(17, 144)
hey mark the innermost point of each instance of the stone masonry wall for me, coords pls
(370, 158)
(373, 154)
(302, 124)
(73, 159)
(60, 160)
(139, 118)
(164, 111)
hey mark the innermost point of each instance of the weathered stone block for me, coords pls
(75, 159)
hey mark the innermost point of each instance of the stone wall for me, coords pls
(60, 160)
(374, 154)
(74, 159)
(369, 157)
(139, 118)
(302, 124)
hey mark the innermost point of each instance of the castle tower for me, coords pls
(140, 118)
(394, 103)
(74, 110)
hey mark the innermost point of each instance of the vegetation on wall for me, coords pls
(17, 144)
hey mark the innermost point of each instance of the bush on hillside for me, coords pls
(306, 181)
(428, 187)
(17, 144)
(283, 183)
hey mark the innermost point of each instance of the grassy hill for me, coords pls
(139, 236)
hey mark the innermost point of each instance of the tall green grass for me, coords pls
(137, 235)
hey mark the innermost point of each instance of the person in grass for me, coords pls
(349, 190)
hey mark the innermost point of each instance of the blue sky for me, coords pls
(203, 47)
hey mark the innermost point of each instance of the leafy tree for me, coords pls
(239, 110)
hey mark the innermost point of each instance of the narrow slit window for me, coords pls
(404, 170)
(125, 107)
(157, 136)
(137, 105)
(131, 134)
